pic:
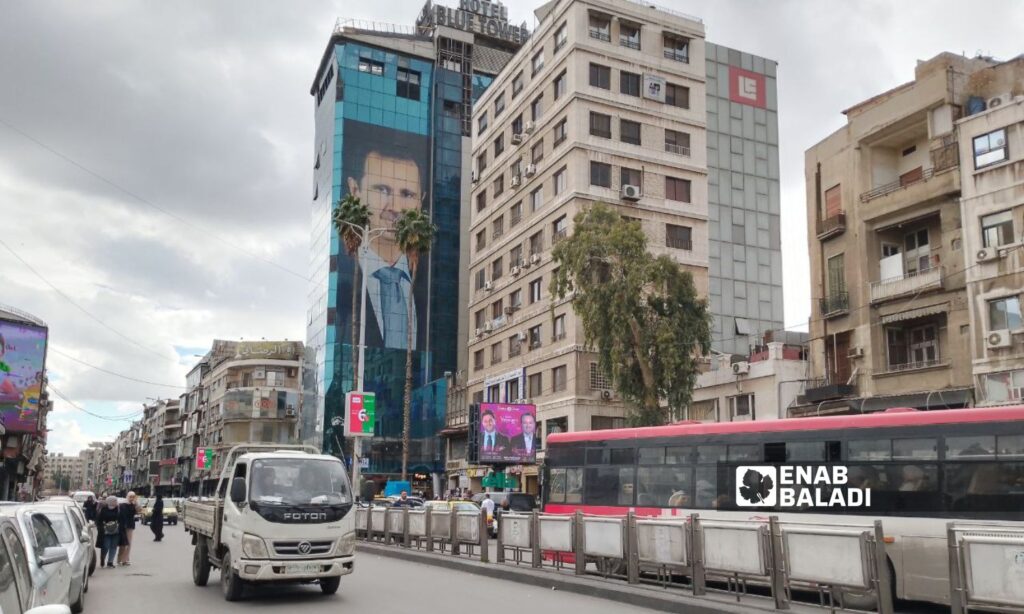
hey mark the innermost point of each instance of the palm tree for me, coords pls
(351, 216)
(414, 232)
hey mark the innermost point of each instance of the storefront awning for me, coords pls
(913, 314)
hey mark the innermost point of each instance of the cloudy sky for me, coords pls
(156, 161)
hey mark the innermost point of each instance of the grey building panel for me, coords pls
(773, 128)
(770, 68)
(777, 268)
(771, 99)
(759, 64)
(746, 61)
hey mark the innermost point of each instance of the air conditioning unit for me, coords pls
(479, 332)
(987, 253)
(606, 395)
(508, 310)
(855, 352)
(998, 101)
(531, 170)
(521, 401)
(516, 180)
(474, 176)
(530, 127)
(535, 259)
(527, 264)
(291, 413)
(488, 327)
(517, 139)
(998, 339)
(521, 336)
(515, 271)
(631, 192)
(741, 368)
(488, 285)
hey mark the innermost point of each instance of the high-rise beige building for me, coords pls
(605, 103)
(891, 325)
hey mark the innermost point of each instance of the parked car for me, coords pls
(170, 512)
(458, 506)
(88, 528)
(33, 544)
(81, 496)
(16, 590)
(75, 538)
(517, 501)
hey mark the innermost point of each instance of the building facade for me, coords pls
(744, 245)
(886, 240)
(605, 104)
(392, 115)
(991, 142)
(63, 474)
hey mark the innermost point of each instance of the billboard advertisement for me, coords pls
(22, 363)
(361, 414)
(507, 434)
(746, 87)
(388, 170)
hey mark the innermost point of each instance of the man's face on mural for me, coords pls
(388, 187)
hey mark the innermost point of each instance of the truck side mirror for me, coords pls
(238, 490)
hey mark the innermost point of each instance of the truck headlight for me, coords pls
(346, 545)
(254, 547)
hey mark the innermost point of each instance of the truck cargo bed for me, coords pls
(201, 516)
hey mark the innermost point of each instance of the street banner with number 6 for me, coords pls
(360, 414)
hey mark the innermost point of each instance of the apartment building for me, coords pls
(605, 103)
(991, 141)
(63, 473)
(891, 324)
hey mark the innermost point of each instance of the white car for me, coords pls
(15, 580)
(75, 538)
(29, 536)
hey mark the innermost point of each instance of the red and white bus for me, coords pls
(924, 469)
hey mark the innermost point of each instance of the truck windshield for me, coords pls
(299, 481)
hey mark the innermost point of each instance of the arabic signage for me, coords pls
(269, 350)
(360, 414)
(477, 16)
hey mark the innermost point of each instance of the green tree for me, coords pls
(415, 233)
(641, 312)
(351, 216)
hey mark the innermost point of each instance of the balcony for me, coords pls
(912, 283)
(679, 150)
(559, 235)
(832, 226)
(826, 390)
(836, 305)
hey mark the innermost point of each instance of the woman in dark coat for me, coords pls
(108, 531)
(156, 521)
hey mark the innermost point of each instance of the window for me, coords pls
(677, 142)
(559, 378)
(678, 237)
(601, 125)
(517, 124)
(478, 360)
(481, 278)
(43, 534)
(1004, 314)
(494, 393)
(9, 599)
(604, 423)
(20, 564)
(481, 240)
(833, 201)
(560, 181)
(538, 62)
(499, 145)
(481, 200)
(408, 84)
(535, 383)
(677, 96)
(481, 163)
(496, 353)
(836, 276)
(558, 328)
(560, 85)
(912, 348)
(559, 230)
(600, 76)
(990, 148)
(517, 84)
(630, 176)
(629, 83)
(496, 269)
(997, 229)
(515, 256)
(516, 169)
(536, 243)
(1004, 386)
(535, 287)
(533, 336)
(499, 185)
(499, 104)
(559, 132)
(601, 174)
(536, 107)
(537, 152)
(478, 396)
(741, 405)
(498, 227)
(515, 346)
(677, 189)
(479, 318)
(629, 131)
(481, 123)
(536, 199)
(629, 35)
(515, 300)
(600, 27)
(371, 66)
(561, 36)
(677, 48)
(515, 214)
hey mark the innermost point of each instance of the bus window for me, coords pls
(565, 456)
(915, 449)
(706, 486)
(775, 452)
(556, 489)
(574, 485)
(985, 487)
(710, 454)
(745, 453)
(623, 456)
(608, 486)
(679, 456)
(805, 451)
(652, 456)
(869, 449)
(664, 486)
(910, 487)
(597, 456)
(978, 446)
(1010, 446)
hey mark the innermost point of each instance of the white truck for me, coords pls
(281, 514)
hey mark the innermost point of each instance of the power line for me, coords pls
(150, 203)
(127, 417)
(115, 374)
(79, 307)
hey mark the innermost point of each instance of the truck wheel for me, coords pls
(200, 563)
(230, 583)
(329, 586)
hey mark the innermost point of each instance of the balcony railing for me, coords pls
(681, 150)
(913, 366)
(835, 305)
(832, 226)
(901, 183)
(825, 389)
(559, 235)
(629, 42)
(910, 283)
(601, 34)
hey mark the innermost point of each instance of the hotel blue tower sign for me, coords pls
(480, 17)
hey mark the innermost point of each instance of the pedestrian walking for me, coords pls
(108, 531)
(128, 510)
(89, 507)
(156, 519)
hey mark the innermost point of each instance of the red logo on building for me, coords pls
(747, 87)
